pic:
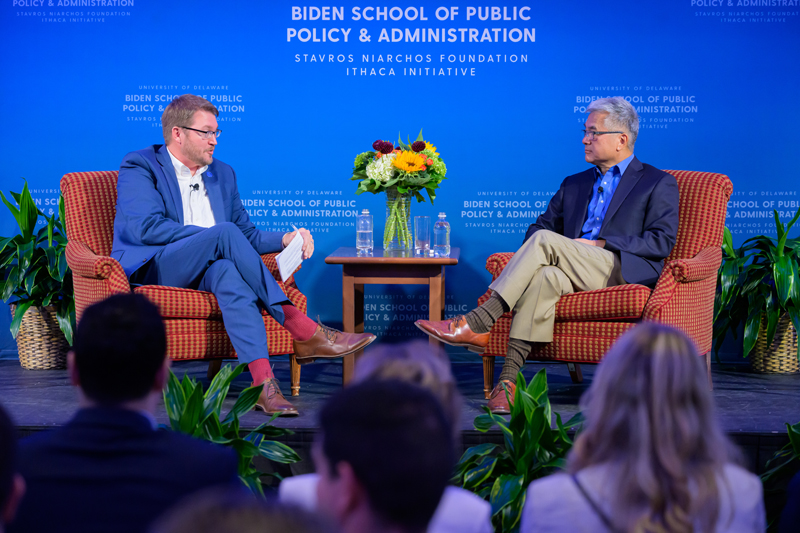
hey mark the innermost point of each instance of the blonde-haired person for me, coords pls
(418, 364)
(653, 457)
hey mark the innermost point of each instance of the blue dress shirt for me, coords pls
(600, 200)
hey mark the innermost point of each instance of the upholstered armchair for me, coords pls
(588, 323)
(192, 318)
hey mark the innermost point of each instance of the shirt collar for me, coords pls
(182, 170)
(622, 166)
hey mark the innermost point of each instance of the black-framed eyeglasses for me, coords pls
(593, 134)
(205, 134)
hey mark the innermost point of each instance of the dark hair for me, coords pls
(119, 346)
(8, 458)
(398, 442)
(236, 510)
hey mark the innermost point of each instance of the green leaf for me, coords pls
(190, 417)
(65, 315)
(174, 400)
(783, 275)
(794, 315)
(478, 451)
(794, 438)
(480, 473)
(727, 243)
(244, 448)
(244, 403)
(751, 330)
(18, 313)
(506, 489)
(419, 137)
(779, 227)
(278, 452)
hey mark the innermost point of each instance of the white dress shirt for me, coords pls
(194, 197)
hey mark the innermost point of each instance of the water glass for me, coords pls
(422, 235)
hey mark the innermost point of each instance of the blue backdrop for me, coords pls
(500, 90)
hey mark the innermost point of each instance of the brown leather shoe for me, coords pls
(272, 401)
(498, 403)
(328, 343)
(455, 332)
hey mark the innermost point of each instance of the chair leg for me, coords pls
(294, 370)
(488, 375)
(708, 371)
(213, 368)
(575, 372)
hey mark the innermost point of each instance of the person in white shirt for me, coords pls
(653, 457)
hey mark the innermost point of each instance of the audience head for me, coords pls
(180, 113)
(417, 363)
(384, 457)
(119, 350)
(650, 418)
(12, 486)
(228, 510)
(621, 116)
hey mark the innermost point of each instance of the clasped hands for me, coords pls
(308, 241)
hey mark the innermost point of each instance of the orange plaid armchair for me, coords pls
(192, 318)
(588, 323)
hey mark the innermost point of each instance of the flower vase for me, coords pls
(397, 235)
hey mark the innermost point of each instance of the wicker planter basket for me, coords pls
(780, 357)
(40, 342)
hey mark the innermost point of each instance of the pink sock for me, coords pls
(299, 325)
(260, 369)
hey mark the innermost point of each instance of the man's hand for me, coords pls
(308, 241)
(600, 243)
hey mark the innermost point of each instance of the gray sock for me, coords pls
(482, 318)
(518, 351)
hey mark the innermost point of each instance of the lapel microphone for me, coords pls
(600, 189)
(196, 187)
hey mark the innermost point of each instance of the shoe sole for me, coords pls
(471, 347)
(280, 413)
(312, 358)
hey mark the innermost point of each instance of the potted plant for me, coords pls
(34, 276)
(759, 287)
(199, 414)
(532, 450)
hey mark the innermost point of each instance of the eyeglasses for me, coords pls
(204, 134)
(593, 134)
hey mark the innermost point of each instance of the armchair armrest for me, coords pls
(497, 262)
(702, 266)
(86, 264)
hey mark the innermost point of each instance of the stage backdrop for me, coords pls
(499, 88)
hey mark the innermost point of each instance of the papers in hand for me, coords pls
(291, 257)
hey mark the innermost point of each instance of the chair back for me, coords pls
(90, 204)
(702, 207)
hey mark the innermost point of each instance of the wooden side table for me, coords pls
(391, 268)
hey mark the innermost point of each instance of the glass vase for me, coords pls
(397, 235)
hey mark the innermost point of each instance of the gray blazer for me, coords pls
(554, 503)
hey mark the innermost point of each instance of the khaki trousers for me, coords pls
(547, 267)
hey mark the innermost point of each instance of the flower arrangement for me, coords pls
(401, 171)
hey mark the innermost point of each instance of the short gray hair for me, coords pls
(621, 115)
(180, 111)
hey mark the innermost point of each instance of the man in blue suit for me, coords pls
(609, 225)
(109, 468)
(180, 223)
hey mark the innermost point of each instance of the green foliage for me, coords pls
(199, 414)
(780, 470)
(758, 281)
(532, 450)
(33, 264)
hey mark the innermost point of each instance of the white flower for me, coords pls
(382, 169)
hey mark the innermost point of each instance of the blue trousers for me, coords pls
(221, 260)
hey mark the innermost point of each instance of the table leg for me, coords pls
(436, 301)
(353, 320)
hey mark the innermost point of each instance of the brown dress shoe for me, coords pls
(498, 403)
(455, 332)
(272, 401)
(328, 343)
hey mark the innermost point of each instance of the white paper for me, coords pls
(291, 257)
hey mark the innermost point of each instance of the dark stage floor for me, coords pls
(753, 408)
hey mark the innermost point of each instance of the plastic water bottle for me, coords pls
(364, 231)
(441, 237)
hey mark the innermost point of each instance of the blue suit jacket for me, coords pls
(641, 223)
(107, 469)
(150, 211)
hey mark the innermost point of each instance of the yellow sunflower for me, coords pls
(432, 148)
(409, 162)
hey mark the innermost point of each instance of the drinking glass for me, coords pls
(422, 235)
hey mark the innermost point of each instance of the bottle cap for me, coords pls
(365, 212)
(441, 214)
